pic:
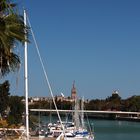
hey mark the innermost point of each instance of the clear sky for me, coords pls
(94, 42)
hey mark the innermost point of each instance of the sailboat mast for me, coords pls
(26, 80)
(76, 114)
(82, 112)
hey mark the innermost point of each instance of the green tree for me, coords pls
(4, 97)
(94, 105)
(16, 110)
(133, 103)
(12, 32)
(114, 102)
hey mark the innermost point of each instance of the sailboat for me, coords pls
(79, 132)
(80, 129)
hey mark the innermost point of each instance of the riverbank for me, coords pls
(113, 117)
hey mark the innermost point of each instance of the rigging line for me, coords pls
(45, 73)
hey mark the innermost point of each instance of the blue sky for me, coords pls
(94, 42)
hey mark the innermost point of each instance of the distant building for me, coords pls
(58, 98)
(73, 92)
(115, 92)
(36, 99)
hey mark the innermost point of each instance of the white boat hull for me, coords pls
(61, 137)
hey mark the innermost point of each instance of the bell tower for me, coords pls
(73, 91)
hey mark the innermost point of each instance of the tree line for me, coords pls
(112, 103)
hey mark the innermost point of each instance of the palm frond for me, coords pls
(8, 63)
(12, 31)
(6, 7)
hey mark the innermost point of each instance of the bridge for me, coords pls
(87, 111)
(95, 113)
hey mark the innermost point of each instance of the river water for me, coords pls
(116, 130)
(110, 129)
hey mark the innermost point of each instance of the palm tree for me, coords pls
(12, 32)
